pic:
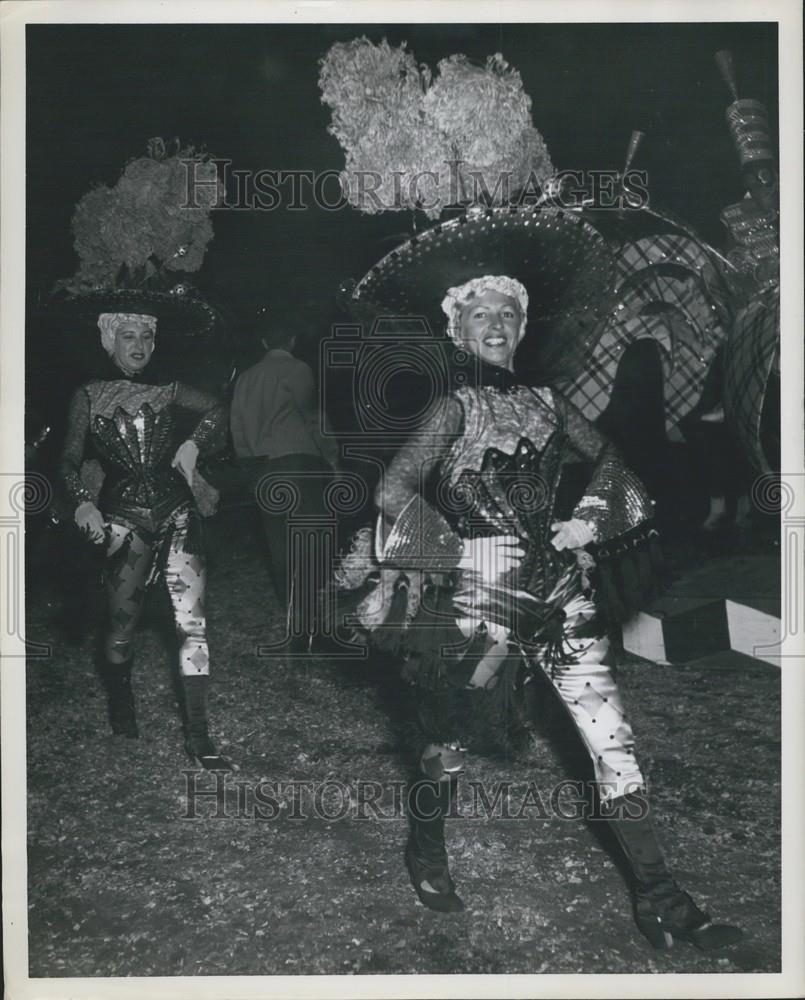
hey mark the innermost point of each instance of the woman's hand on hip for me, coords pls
(185, 460)
(573, 534)
(491, 557)
(90, 521)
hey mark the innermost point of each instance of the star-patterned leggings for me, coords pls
(185, 576)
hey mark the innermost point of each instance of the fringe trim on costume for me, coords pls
(194, 539)
(205, 494)
(492, 720)
(631, 572)
(161, 561)
(192, 543)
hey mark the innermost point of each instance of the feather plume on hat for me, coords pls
(415, 141)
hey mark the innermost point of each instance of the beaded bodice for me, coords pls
(515, 495)
(138, 449)
(132, 429)
(494, 457)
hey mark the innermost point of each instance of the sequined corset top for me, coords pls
(502, 475)
(515, 495)
(136, 451)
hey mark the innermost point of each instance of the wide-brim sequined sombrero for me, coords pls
(189, 334)
(180, 313)
(569, 260)
(563, 262)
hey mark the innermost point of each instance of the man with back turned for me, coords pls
(277, 435)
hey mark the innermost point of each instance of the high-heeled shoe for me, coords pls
(663, 912)
(432, 882)
(425, 854)
(197, 743)
(678, 918)
(203, 751)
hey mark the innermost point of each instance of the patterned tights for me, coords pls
(185, 576)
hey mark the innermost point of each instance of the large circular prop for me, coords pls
(752, 380)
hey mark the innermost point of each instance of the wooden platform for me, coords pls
(725, 604)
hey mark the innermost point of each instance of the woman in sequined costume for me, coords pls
(146, 516)
(483, 585)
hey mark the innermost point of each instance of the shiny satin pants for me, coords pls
(583, 680)
(185, 576)
(588, 691)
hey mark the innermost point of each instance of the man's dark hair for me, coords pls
(274, 336)
(274, 326)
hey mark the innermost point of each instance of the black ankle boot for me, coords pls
(197, 742)
(117, 682)
(425, 853)
(663, 912)
(663, 916)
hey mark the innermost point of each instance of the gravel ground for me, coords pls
(128, 875)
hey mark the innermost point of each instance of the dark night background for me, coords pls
(249, 93)
(118, 883)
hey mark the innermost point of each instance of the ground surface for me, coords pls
(122, 883)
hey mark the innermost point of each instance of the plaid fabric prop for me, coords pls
(751, 354)
(668, 291)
